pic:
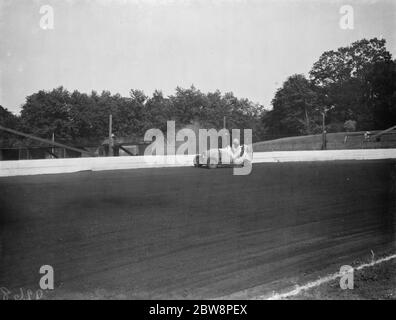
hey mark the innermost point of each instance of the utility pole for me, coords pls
(324, 130)
(324, 140)
(110, 135)
(53, 140)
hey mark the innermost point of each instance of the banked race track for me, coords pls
(183, 232)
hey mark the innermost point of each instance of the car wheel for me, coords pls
(246, 163)
(212, 163)
(196, 162)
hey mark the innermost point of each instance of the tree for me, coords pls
(381, 82)
(348, 79)
(130, 116)
(84, 118)
(348, 62)
(188, 104)
(45, 113)
(158, 111)
(8, 120)
(294, 108)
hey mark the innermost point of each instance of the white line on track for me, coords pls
(331, 277)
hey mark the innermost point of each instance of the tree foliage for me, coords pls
(82, 118)
(357, 82)
(8, 120)
(294, 108)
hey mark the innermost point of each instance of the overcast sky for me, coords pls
(248, 47)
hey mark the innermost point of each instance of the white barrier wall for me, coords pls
(50, 166)
(324, 155)
(47, 166)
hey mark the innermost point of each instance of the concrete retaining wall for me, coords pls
(325, 155)
(51, 166)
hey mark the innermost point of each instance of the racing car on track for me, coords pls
(224, 157)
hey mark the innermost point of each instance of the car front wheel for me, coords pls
(212, 163)
(196, 162)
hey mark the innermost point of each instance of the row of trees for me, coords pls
(84, 118)
(356, 83)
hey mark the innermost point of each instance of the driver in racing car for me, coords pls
(237, 152)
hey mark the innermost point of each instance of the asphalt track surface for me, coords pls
(194, 233)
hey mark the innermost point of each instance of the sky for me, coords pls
(247, 47)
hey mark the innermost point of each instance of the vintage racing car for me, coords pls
(223, 157)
